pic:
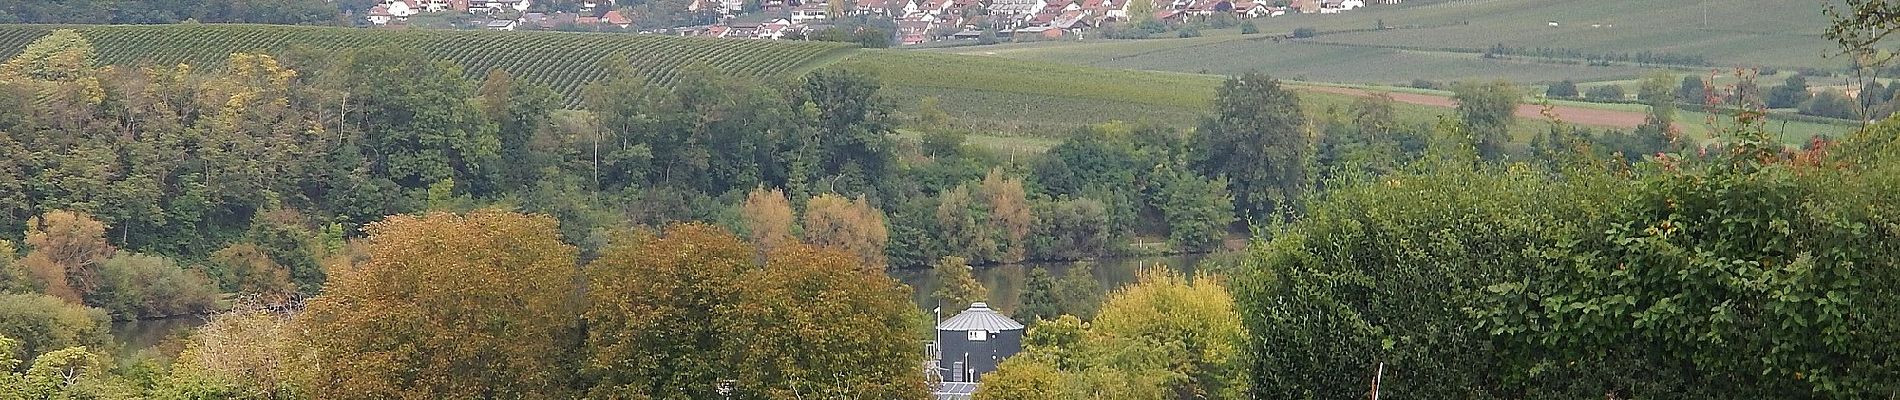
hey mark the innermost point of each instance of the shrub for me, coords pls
(146, 286)
(45, 323)
(1607, 92)
(1069, 230)
(1188, 32)
(1562, 89)
(1304, 32)
(1248, 28)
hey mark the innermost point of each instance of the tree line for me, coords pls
(287, 12)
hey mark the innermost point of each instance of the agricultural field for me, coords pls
(1034, 98)
(1442, 41)
(1735, 32)
(563, 61)
(1227, 55)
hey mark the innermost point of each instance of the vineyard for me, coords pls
(563, 61)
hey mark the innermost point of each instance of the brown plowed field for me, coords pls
(1574, 115)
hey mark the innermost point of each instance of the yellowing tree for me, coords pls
(447, 306)
(813, 326)
(768, 218)
(67, 249)
(831, 221)
(658, 308)
(1022, 378)
(1165, 325)
(252, 272)
(671, 315)
(1009, 212)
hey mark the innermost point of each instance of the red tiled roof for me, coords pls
(379, 11)
(614, 17)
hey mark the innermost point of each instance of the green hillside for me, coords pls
(1442, 41)
(563, 61)
(982, 93)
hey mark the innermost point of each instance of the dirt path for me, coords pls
(1574, 115)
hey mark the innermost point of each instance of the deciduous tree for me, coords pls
(247, 270)
(831, 221)
(475, 305)
(768, 218)
(1487, 110)
(1259, 140)
(957, 286)
(671, 316)
(66, 250)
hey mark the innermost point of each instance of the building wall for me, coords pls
(982, 357)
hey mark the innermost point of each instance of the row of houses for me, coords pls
(917, 21)
(393, 11)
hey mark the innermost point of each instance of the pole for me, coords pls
(1375, 381)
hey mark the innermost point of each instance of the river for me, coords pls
(138, 335)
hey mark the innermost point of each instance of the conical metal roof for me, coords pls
(979, 318)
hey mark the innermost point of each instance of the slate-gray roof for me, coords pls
(955, 391)
(979, 318)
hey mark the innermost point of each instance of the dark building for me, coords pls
(975, 341)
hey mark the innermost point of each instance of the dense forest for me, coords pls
(371, 224)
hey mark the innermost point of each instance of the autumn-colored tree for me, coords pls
(826, 330)
(854, 226)
(656, 308)
(1022, 378)
(448, 306)
(1185, 331)
(670, 316)
(1009, 212)
(957, 286)
(67, 249)
(768, 218)
(248, 270)
(1164, 337)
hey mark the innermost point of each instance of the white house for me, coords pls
(401, 8)
(810, 12)
(501, 25)
(1351, 4)
(379, 15)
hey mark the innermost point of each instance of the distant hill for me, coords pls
(982, 93)
(1443, 41)
(563, 61)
